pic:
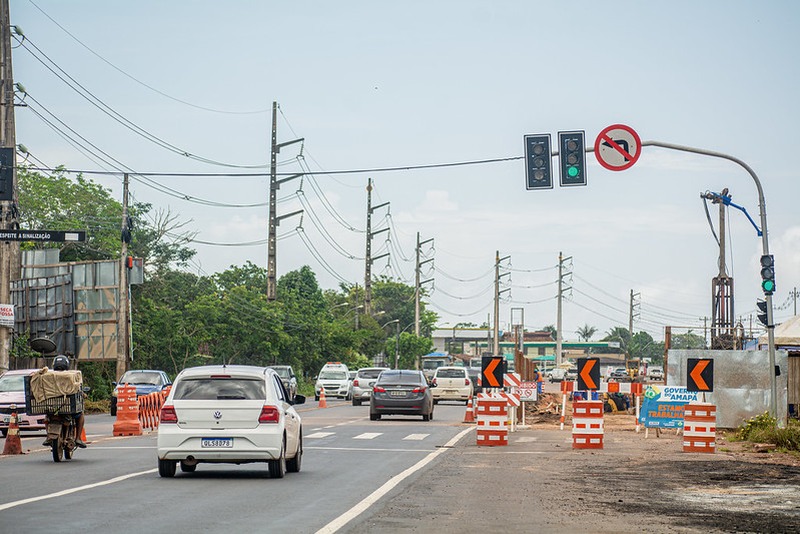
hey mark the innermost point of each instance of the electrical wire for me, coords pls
(143, 84)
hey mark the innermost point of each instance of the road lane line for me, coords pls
(373, 497)
(8, 505)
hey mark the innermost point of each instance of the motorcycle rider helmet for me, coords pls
(61, 363)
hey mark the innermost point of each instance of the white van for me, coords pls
(334, 378)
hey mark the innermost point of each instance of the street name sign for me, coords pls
(617, 147)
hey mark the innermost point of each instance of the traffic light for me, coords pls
(572, 155)
(6, 173)
(768, 274)
(538, 163)
(762, 308)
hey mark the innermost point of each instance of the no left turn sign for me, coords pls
(617, 147)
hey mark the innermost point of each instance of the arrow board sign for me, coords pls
(699, 374)
(617, 147)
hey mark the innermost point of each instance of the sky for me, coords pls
(187, 91)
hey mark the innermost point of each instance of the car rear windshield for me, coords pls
(394, 379)
(450, 373)
(283, 372)
(12, 383)
(369, 373)
(220, 389)
(333, 375)
(144, 379)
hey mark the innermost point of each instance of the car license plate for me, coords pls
(397, 393)
(450, 392)
(216, 443)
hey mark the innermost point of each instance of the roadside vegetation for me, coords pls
(764, 429)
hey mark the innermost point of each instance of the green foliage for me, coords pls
(764, 429)
(411, 348)
(622, 336)
(689, 340)
(586, 332)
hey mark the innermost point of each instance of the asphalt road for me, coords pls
(113, 486)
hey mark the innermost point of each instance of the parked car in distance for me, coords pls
(334, 378)
(620, 374)
(571, 374)
(557, 374)
(287, 377)
(363, 382)
(229, 414)
(655, 373)
(474, 374)
(401, 392)
(146, 381)
(451, 383)
(12, 393)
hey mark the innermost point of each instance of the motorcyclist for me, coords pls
(61, 363)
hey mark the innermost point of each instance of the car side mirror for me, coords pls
(114, 384)
(299, 399)
(86, 389)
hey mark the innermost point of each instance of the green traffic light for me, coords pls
(573, 172)
(768, 286)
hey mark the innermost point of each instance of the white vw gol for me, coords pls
(229, 414)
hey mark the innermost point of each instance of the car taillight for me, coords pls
(433, 382)
(418, 390)
(168, 414)
(466, 381)
(378, 389)
(355, 382)
(269, 414)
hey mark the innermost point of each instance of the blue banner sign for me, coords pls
(663, 406)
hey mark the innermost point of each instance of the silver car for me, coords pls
(229, 414)
(363, 382)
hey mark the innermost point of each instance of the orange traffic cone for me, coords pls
(469, 415)
(322, 402)
(13, 443)
(83, 435)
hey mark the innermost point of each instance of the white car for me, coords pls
(363, 382)
(334, 379)
(451, 383)
(656, 373)
(229, 414)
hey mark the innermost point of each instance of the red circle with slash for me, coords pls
(617, 147)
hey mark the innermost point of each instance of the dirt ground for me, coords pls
(539, 483)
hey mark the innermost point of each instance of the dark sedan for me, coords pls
(400, 392)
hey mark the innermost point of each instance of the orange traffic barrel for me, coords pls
(700, 427)
(127, 423)
(587, 424)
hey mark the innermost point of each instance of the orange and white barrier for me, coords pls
(699, 427)
(150, 408)
(633, 388)
(492, 420)
(127, 423)
(587, 425)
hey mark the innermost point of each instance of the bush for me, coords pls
(764, 429)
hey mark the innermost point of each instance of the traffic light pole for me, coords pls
(765, 251)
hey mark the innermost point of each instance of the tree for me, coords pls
(689, 340)
(551, 329)
(620, 335)
(586, 332)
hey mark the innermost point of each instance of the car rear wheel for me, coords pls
(356, 402)
(166, 468)
(374, 417)
(188, 468)
(277, 468)
(293, 464)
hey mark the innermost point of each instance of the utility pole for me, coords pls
(123, 320)
(561, 289)
(274, 220)
(9, 250)
(418, 283)
(497, 292)
(794, 295)
(369, 258)
(632, 311)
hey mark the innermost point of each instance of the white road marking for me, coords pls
(362, 449)
(316, 435)
(373, 497)
(415, 437)
(13, 504)
(368, 435)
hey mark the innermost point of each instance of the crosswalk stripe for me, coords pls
(368, 435)
(415, 437)
(320, 435)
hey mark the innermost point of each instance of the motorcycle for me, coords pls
(62, 433)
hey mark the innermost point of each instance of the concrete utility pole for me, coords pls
(561, 289)
(418, 283)
(794, 295)
(123, 320)
(497, 292)
(274, 220)
(9, 250)
(369, 258)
